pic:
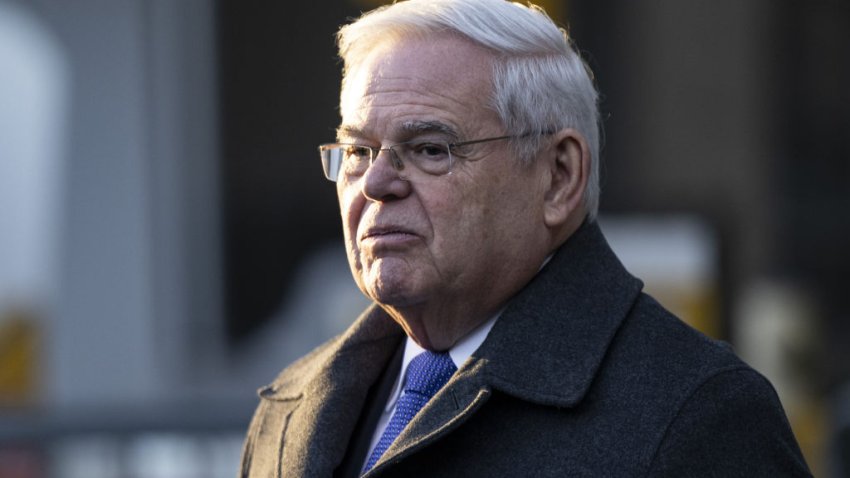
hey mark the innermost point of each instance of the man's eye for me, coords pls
(357, 153)
(431, 150)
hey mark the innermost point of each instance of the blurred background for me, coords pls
(168, 242)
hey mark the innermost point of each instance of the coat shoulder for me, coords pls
(731, 425)
(696, 398)
(665, 344)
(658, 360)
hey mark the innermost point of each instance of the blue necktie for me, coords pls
(426, 374)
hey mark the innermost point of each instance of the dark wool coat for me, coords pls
(582, 375)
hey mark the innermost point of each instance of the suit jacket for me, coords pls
(582, 375)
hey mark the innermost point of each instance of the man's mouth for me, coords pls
(387, 232)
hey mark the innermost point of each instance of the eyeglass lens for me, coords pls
(430, 157)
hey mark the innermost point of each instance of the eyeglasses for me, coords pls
(432, 157)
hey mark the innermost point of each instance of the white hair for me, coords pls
(540, 82)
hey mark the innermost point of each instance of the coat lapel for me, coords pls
(324, 394)
(458, 400)
(550, 342)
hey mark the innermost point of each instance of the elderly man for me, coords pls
(505, 339)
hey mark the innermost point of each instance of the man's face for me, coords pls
(435, 247)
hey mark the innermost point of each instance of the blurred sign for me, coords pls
(678, 260)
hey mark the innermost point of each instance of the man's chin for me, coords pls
(392, 282)
(396, 294)
(393, 296)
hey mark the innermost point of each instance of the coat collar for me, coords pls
(551, 339)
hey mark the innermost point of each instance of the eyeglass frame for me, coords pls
(397, 162)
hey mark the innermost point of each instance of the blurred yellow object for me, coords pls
(698, 305)
(18, 357)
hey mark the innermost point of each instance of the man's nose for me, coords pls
(382, 181)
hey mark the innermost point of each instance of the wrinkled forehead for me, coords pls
(432, 72)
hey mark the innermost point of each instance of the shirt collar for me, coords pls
(459, 354)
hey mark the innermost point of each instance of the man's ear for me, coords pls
(568, 160)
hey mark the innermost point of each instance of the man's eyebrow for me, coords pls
(407, 128)
(412, 128)
(348, 131)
